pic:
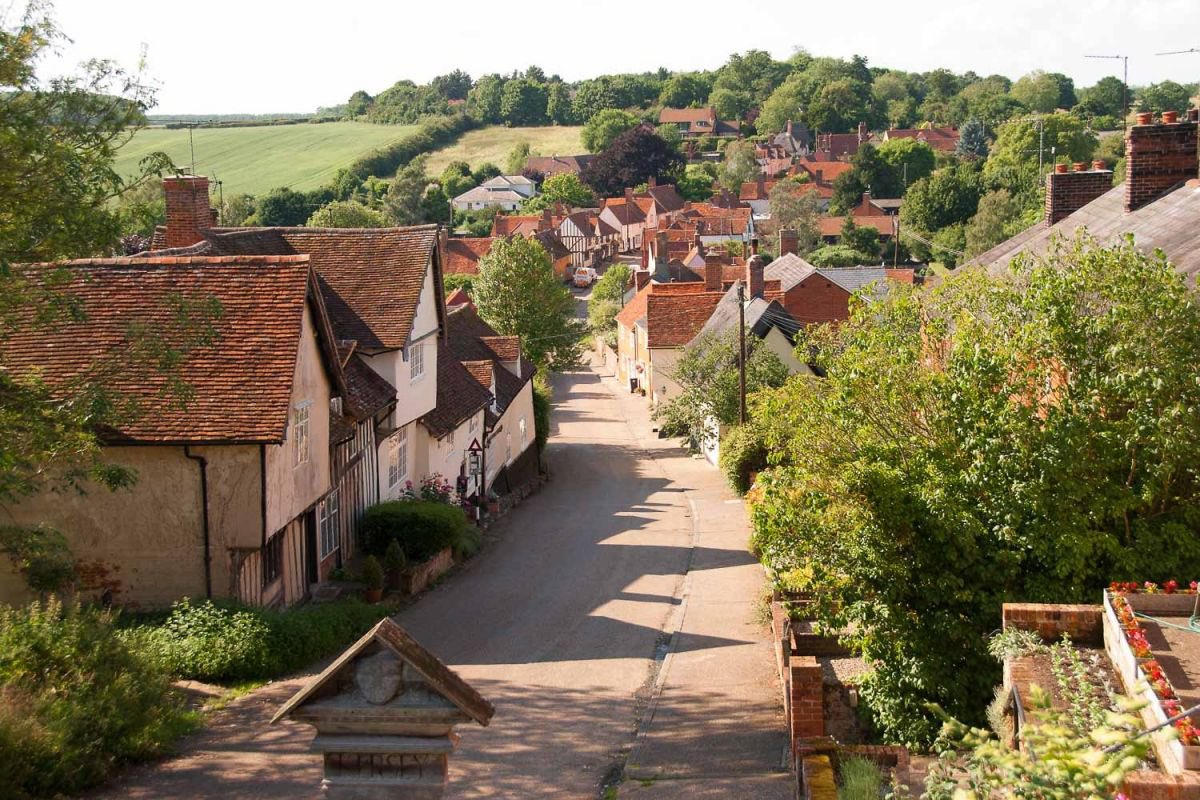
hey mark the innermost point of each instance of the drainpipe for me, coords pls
(203, 462)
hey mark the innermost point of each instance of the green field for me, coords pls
(255, 160)
(494, 143)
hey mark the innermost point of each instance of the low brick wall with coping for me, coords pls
(1083, 623)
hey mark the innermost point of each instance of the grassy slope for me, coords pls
(255, 160)
(493, 144)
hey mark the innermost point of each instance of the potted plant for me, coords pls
(393, 564)
(493, 503)
(373, 578)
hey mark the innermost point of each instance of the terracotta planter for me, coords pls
(373, 595)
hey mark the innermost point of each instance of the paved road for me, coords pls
(581, 622)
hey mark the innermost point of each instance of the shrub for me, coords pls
(228, 642)
(541, 411)
(742, 451)
(77, 699)
(860, 779)
(393, 557)
(421, 527)
(373, 572)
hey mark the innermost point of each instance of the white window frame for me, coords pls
(398, 458)
(328, 516)
(301, 433)
(524, 435)
(416, 361)
(473, 425)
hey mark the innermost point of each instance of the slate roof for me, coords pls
(761, 315)
(462, 253)
(371, 278)
(241, 383)
(665, 197)
(1171, 223)
(459, 396)
(789, 269)
(626, 213)
(555, 165)
(489, 194)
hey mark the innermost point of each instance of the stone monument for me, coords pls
(385, 713)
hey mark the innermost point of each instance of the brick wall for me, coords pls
(1147, 785)
(806, 696)
(1083, 623)
(188, 209)
(1068, 192)
(1157, 157)
(816, 299)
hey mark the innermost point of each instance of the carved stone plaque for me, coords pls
(379, 677)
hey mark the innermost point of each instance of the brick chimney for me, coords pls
(641, 277)
(662, 269)
(713, 273)
(819, 178)
(546, 223)
(863, 133)
(1158, 157)
(1067, 192)
(652, 182)
(755, 265)
(789, 242)
(443, 243)
(629, 195)
(188, 210)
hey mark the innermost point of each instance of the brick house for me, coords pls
(696, 122)
(815, 295)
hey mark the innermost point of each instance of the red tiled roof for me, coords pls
(506, 348)
(674, 319)
(830, 170)
(462, 253)
(481, 371)
(555, 165)
(666, 197)
(507, 225)
(832, 226)
(459, 396)
(458, 297)
(471, 339)
(945, 139)
(687, 114)
(635, 309)
(368, 392)
(240, 384)
(755, 190)
(626, 213)
(371, 278)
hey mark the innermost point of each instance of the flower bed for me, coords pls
(1130, 652)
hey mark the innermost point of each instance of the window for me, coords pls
(473, 424)
(328, 516)
(508, 448)
(398, 457)
(272, 558)
(300, 438)
(416, 361)
(523, 437)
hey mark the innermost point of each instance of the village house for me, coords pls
(882, 215)
(231, 485)
(696, 122)
(817, 295)
(756, 195)
(840, 146)
(795, 140)
(944, 139)
(506, 192)
(629, 217)
(549, 166)
(461, 254)
(446, 433)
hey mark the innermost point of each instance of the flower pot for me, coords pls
(493, 507)
(373, 595)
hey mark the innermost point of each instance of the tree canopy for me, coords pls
(604, 127)
(633, 158)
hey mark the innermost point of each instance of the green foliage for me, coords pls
(997, 217)
(393, 557)
(613, 283)
(794, 208)
(515, 161)
(346, 214)
(696, 183)
(607, 299)
(523, 102)
(707, 374)
(566, 188)
(1107, 97)
(1056, 761)
(1164, 96)
(518, 294)
(907, 161)
(685, 89)
(483, 101)
(41, 555)
(1012, 643)
(1013, 162)
(542, 405)
(142, 207)
(454, 85)
(947, 197)
(456, 178)
(458, 281)
(432, 133)
(860, 238)
(558, 104)
(604, 127)
(404, 103)
(1038, 91)
(422, 527)
(1047, 441)
(739, 166)
(224, 641)
(972, 140)
(405, 201)
(743, 450)
(76, 701)
(839, 255)
(859, 779)
(373, 571)
(283, 207)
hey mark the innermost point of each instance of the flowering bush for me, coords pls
(1150, 587)
(433, 488)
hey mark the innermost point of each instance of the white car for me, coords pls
(584, 277)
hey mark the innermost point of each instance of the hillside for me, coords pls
(494, 143)
(257, 159)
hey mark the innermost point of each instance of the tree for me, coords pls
(684, 89)
(752, 75)
(358, 104)
(634, 157)
(949, 195)
(487, 170)
(58, 142)
(839, 105)
(236, 210)
(1037, 91)
(518, 294)
(787, 102)
(871, 173)
(993, 221)
(282, 207)
(608, 296)
(594, 96)
(999, 438)
(517, 156)
(1066, 90)
(558, 104)
(707, 374)
(696, 183)
(972, 140)
(456, 178)
(1165, 96)
(566, 188)
(907, 160)
(1106, 97)
(604, 127)
(483, 101)
(141, 207)
(1013, 160)
(406, 193)
(729, 103)
(346, 214)
(739, 166)
(796, 208)
(523, 102)
(455, 85)
(860, 238)
(839, 255)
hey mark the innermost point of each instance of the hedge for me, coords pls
(742, 452)
(434, 132)
(421, 527)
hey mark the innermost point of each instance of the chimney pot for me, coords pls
(1170, 117)
(1061, 169)
(1099, 164)
(1145, 118)
(1157, 159)
(1080, 166)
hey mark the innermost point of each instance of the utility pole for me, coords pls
(1124, 90)
(741, 296)
(1041, 142)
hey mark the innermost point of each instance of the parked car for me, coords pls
(584, 277)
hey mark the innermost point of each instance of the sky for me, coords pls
(264, 56)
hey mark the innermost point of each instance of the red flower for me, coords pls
(1170, 586)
